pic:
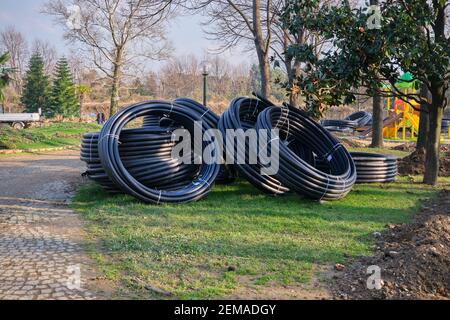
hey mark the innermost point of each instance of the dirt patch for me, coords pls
(414, 259)
(315, 289)
(408, 146)
(350, 143)
(414, 163)
(67, 135)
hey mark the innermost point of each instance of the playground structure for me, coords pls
(403, 112)
(402, 116)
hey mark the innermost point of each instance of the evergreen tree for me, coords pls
(5, 77)
(36, 92)
(63, 96)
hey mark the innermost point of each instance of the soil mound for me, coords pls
(414, 163)
(414, 259)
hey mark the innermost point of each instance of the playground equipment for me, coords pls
(406, 117)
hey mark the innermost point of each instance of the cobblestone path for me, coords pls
(41, 239)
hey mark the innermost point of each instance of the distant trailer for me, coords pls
(20, 120)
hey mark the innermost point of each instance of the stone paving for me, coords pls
(41, 240)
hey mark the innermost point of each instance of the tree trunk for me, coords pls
(377, 123)
(261, 50)
(265, 76)
(81, 101)
(423, 122)
(114, 105)
(433, 140)
(292, 75)
(436, 109)
(377, 111)
(292, 66)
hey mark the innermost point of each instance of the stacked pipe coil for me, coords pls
(374, 168)
(242, 114)
(139, 161)
(116, 168)
(146, 154)
(353, 121)
(361, 117)
(303, 141)
(298, 172)
(227, 173)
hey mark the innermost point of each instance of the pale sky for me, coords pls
(185, 33)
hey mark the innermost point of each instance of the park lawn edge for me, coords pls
(192, 252)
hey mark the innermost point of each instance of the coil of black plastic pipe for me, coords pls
(361, 118)
(375, 168)
(146, 153)
(341, 124)
(227, 173)
(296, 173)
(353, 121)
(112, 162)
(153, 144)
(242, 114)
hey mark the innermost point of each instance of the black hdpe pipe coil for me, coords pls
(296, 173)
(145, 153)
(151, 143)
(242, 114)
(340, 124)
(227, 173)
(362, 118)
(375, 168)
(112, 162)
(353, 121)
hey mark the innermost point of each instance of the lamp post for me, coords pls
(205, 85)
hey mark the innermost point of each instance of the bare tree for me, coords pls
(242, 21)
(181, 76)
(48, 53)
(13, 42)
(115, 32)
(219, 75)
(151, 84)
(77, 67)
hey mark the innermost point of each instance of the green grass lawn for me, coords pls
(48, 136)
(237, 237)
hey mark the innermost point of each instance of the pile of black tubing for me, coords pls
(145, 153)
(310, 162)
(242, 114)
(374, 168)
(300, 173)
(302, 142)
(361, 117)
(139, 161)
(353, 121)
